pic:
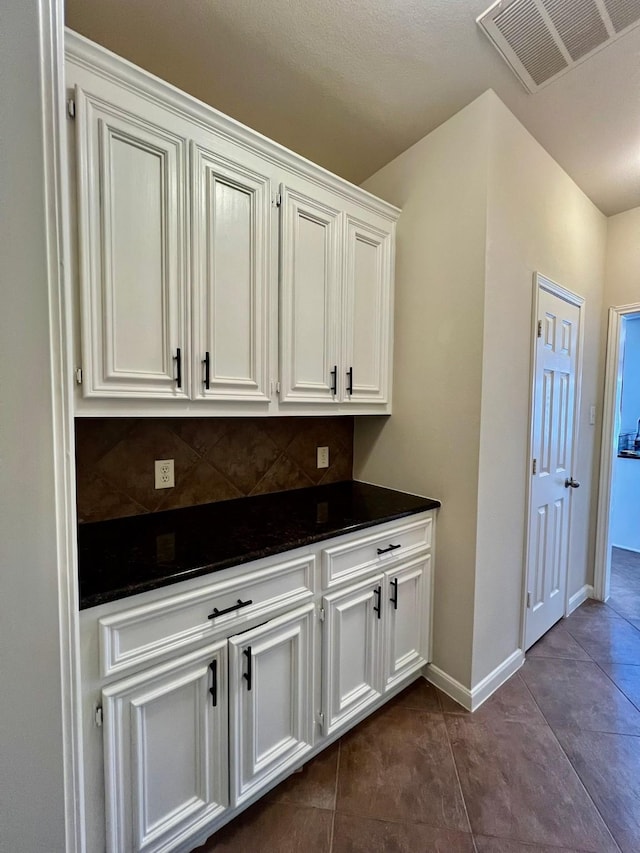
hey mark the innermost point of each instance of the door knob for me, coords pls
(571, 483)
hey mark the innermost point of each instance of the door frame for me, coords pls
(542, 282)
(608, 450)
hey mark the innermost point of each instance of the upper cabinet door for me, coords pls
(368, 301)
(131, 177)
(309, 299)
(231, 216)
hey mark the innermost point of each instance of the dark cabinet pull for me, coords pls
(394, 593)
(390, 548)
(213, 666)
(334, 380)
(178, 361)
(249, 673)
(378, 594)
(233, 607)
(350, 382)
(207, 369)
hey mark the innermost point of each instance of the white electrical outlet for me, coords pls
(164, 474)
(322, 454)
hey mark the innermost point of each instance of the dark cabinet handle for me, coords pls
(334, 380)
(178, 361)
(378, 594)
(390, 548)
(394, 593)
(207, 369)
(240, 603)
(249, 673)
(350, 382)
(213, 666)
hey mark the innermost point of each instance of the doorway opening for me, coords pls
(617, 568)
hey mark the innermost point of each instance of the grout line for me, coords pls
(335, 791)
(333, 827)
(455, 767)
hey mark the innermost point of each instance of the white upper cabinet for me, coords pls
(368, 311)
(309, 298)
(217, 273)
(231, 241)
(132, 159)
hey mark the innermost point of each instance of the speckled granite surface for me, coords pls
(125, 556)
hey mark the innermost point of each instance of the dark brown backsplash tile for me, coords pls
(215, 459)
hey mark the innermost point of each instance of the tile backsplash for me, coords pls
(216, 459)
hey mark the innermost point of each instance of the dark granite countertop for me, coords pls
(126, 556)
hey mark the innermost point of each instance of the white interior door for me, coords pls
(552, 484)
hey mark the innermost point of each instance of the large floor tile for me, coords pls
(315, 785)
(596, 609)
(625, 603)
(398, 766)
(626, 678)
(270, 827)
(578, 693)
(558, 643)
(419, 696)
(608, 641)
(484, 844)
(512, 701)
(518, 784)
(365, 835)
(609, 766)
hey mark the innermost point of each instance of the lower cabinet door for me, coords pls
(165, 749)
(408, 619)
(270, 707)
(351, 651)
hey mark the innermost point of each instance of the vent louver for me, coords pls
(543, 39)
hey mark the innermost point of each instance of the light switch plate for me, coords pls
(592, 415)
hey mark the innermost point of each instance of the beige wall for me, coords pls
(484, 206)
(538, 220)
(430, 444)
(622, 279)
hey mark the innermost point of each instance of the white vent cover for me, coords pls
(543, 39)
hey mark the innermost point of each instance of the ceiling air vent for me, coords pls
(543, 39)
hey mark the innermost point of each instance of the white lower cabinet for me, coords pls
(190, 741)
(351, 651)
(407, 626)
(166, 752)
(271, 720)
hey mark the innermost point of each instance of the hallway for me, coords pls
(551, 762)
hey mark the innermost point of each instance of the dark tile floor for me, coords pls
(551, 762)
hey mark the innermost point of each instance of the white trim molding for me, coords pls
(580, 597)
(610, 427)
(474, 698)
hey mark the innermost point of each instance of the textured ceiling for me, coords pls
(352, 83)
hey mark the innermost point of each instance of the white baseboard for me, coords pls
(580, 597)
(472, 699)
(458, 692)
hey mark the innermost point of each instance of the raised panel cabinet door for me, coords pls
(165, 751)
(131, 178)
(351, 651)
(231, 274)
(271, 689)
(310, 237)
(368, 312)
(408, 619)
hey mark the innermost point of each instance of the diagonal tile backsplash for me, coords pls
(215, 459)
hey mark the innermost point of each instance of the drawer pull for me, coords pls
(249, 673)
(390, 548)
(378, 594)
(394, 593)
(233, 607)
(213, 666)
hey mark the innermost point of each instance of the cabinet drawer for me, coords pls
(142, 634)
(361, 555)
